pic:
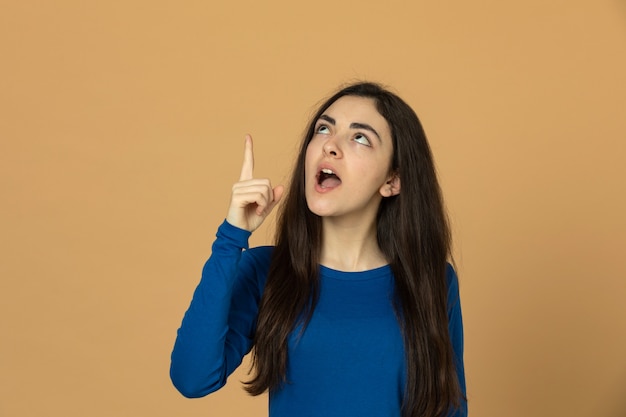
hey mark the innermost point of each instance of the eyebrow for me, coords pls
(354, 125)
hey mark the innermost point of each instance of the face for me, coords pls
(348, 161)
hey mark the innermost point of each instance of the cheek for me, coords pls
(380, 175)
(377, 167)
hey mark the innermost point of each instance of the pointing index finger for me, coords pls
(248, 160)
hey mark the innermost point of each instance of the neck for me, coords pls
(350, 247)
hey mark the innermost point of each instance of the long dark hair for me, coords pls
(413, 234)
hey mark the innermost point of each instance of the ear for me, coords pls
(391, 187)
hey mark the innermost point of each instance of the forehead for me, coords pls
(355, 109)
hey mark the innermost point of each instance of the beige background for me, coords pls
(121, 127)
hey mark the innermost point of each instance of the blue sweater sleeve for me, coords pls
(218, 327)
(455, 327)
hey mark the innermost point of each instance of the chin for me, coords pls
(321, 210)
(317, 211)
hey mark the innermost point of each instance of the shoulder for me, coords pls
(254, 266)
(451, 277)
(452, 284)
(260, 255)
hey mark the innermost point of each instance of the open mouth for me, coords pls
(326, 178)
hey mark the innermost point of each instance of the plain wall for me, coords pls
(122, 125)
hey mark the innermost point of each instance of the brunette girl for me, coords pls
(355, 311)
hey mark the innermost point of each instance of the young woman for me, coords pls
(355, 311)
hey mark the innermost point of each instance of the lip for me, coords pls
(325, 165)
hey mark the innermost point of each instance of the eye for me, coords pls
(323, 129)
(362, 139)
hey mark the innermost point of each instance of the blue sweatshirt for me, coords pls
(348, 362)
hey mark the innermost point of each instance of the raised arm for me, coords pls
(218, 327)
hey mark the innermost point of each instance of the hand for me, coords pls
(252, 199)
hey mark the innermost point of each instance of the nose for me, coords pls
(331, 148)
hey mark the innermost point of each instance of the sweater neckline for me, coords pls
(376, 273)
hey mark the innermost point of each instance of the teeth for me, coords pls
(327, 171)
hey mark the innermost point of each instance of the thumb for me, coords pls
(278, 192)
